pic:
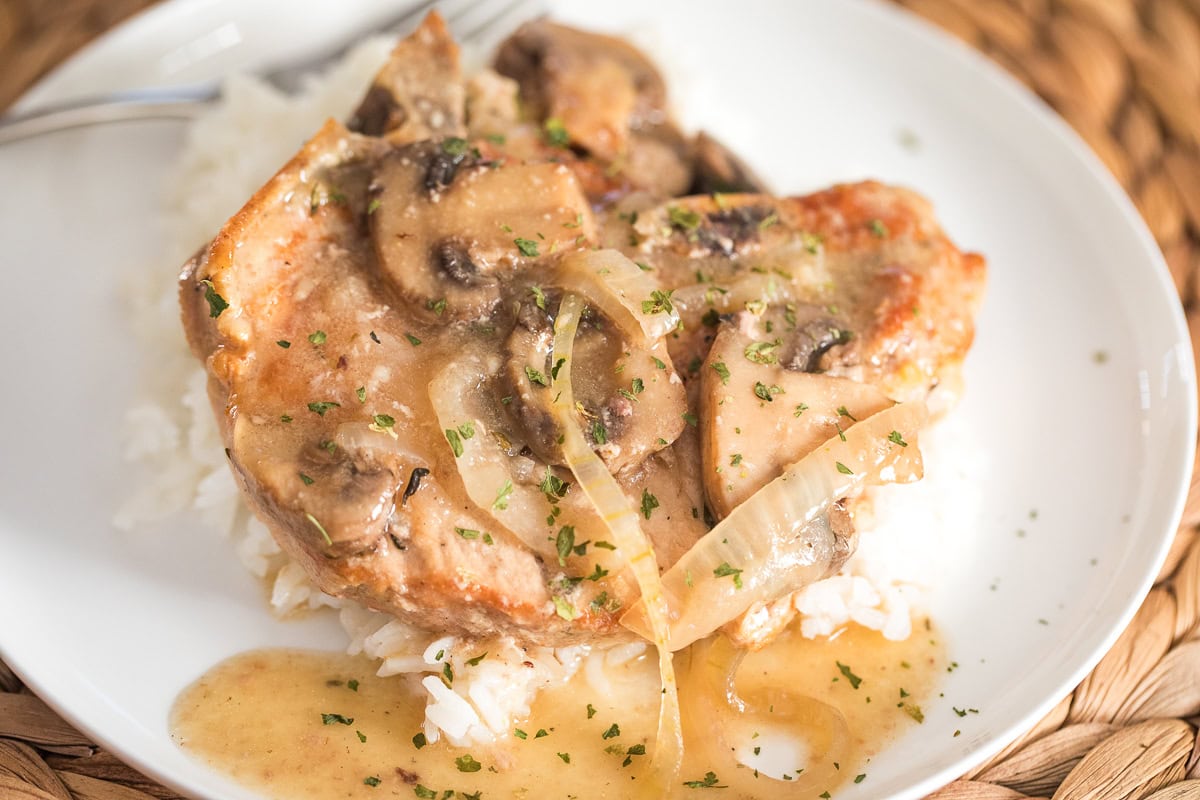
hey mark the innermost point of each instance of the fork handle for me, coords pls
(176, 103)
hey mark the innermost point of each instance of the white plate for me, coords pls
(109, 627)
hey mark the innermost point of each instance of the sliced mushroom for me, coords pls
(761, 416)
(604, 96)
(716, 168)
(418, 94)
(450, 228)
(630, 398)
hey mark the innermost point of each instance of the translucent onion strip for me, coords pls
(780, 539)
(623, 291)
(632, 543)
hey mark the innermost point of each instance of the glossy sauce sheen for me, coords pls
(258, 718)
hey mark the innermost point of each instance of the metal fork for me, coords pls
(469, 20)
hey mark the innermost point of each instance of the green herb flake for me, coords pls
(879, 229)
(659, 302)
(726, 570)
(372, 780)
(842, 412)
(455, 441)
(859, 778)
(216, 303)
(914, 712)
(683, 218)
(566, 757)
(613, 731)
(414, 341)
(467, 533)
(708, 782)
(735, 459)
(329, 719)
(564, 609)
(528, 247)
(535, 376)
(599, 432)
(762, 352)
(424, 793)
(658, 362)
(842, 468)
(502, 496)
(848, 674)
(722, 370)
(895, 438)
(800, 409)
(362, 737)
(352, 685)
(603, 545)
(285, 418)
(539, 297)
(555, 133)
(690, 418)
(477, 660)
(454, 146)
(284, 343)
(520, 734)
(383, 421)
(307, 480)
(767, 393)
(320, 407)
(649, 503)
(373, 206)
(644, 267)
(361, 394)
(467, 763)
(317, 337)
(591, 710)
(564, 543)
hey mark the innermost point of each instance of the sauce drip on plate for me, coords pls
(303, 724)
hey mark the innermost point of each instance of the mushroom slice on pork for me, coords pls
(450, 228)
(418, 94)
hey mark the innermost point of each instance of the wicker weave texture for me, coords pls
(1126, 75)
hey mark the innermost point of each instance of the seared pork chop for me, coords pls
(377, 325)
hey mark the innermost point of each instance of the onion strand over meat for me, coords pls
(632, 543)
(780, 539)
(622, 291)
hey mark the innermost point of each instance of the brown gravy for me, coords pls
(258, 717)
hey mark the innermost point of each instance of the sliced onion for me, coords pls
(694, 301)
(618, 288)
(779, 540)
(632, 545)
(483, 464)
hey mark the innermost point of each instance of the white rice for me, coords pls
(229, 154)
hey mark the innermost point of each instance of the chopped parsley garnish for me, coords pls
(564, 609)
(555, 132)
(557, 366)
(373, 206)
(842, 412)
(658, 362)
(613, 731)
(764, 392)
(317, 337)
(721, 370)
(319, 408)
(649, 503)
(477, 660)
(216, 303)
(424, 793)
(436, 306)
(539, 297)
(603, 545)
(735, 459)
(384, 421)
(455, 441)
(564, 543)
(763, 352)
(725, 570)
(553, 486)
(599, 432)
(361, 394)
(467, 533)
(536, 377)
(683, 218)
(285, 418)
(895, 438)
(414, 341)
(467, 763)
(454, 146)
(690, 418)
(848, 674)
(859, 778)
(566, 757)
(372, 780)
(638, 386)
(528, 247)
(577, 223)
(329, 719)
(842, 468)
(467, 430)
(362, 737)
(709, 782)
(644, 267)
(591, 710)
(800, 409)
(913, 711)
(878, 228)
(520, 734)
(501, 501)
(284, 343)
(375, 338)
(659, 302)
(352, 685)
(307, 480)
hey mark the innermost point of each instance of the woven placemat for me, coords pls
(1126, 75)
